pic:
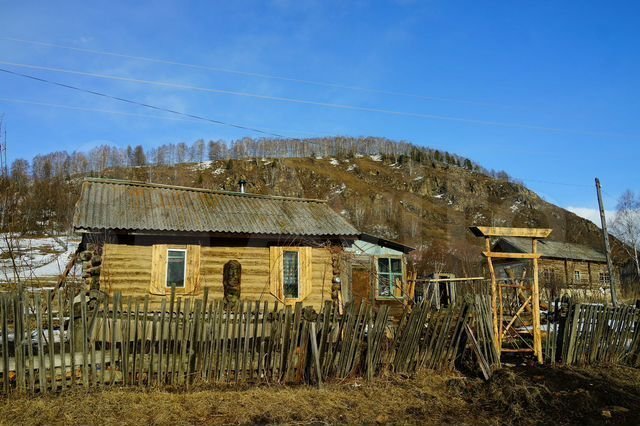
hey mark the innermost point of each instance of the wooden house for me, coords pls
(377, 271)
(150, 237)
(561, 265)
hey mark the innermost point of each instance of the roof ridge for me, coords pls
(192, 189)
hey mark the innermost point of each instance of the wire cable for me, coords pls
(142, 104)
(315, 103)
(251, 74)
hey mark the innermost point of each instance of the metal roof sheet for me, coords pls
(556, 249)
(128, 205)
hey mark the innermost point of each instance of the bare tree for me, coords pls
(626, 225)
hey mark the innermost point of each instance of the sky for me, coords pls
(547, 91)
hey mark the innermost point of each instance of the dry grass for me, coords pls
(524, 396)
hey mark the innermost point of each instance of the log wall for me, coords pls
(128, 269)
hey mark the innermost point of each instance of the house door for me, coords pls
(360, 284)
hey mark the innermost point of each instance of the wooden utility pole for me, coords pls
(607, 247)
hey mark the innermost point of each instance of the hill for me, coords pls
(421, 197)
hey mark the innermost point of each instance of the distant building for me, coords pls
(562, 265)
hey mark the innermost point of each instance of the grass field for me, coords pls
(513, 396)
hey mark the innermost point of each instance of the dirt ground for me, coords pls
(531, 395)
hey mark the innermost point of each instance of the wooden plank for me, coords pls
(193, 347)
(503, 255)
(21, 373)
(143, 343)
(114, 327)
(535, 306)
(85, 346)
(72, 341)
(184, 341)
(63, 338)
(136, 340)
(103, 345)
(125, 330)
(237, 342)
(42, 369)
(4, 303)
(261, 340)
(226, 324)
(163, 343)
(493, 231)
(176, 338)
(51, 344)
(253, 349)
(155, 340)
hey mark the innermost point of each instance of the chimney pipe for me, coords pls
(242, 183)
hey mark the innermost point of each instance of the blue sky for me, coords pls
(548, 91)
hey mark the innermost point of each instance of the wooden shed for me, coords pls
(377, 271)
(151, 237)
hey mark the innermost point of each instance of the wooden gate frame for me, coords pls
(497, 307)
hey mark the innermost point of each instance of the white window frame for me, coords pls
(392, 283)
(284, 292)
(577, 277)
(605, 278)
(184, 272)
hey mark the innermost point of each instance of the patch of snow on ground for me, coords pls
(340, 189)
(351, 167)
(202, 166)
(418, 178)
(218, 171)
(516, 206)
(357, 155)
(334, 162)
(438, 196)
(36, 257)
(319, 157)
(376, 157)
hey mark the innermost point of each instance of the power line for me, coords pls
(105, 111)
(117, 98)
(251, 74)
(315, 103)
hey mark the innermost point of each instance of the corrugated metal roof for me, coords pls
(556, 249)
(127, 205)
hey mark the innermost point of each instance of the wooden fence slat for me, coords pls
(51, 344)
(63, 339)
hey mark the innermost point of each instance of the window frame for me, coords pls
(392, 283)
(284, 291)
(577, 277)
(184, 269)
(605, 278)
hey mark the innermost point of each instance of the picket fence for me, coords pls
(593, 334)
(52, 342)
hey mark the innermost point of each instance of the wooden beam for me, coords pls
(490, 231)
(501, 255)
(535, 306)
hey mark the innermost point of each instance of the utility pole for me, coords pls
(607, 247)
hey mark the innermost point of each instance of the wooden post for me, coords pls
(607, 247)
(494, 298)
(535, 299)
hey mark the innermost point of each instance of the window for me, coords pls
(576, 277)
(291, 274)
(605, 279)
(176, 268)
(548, 275)
(389, 270)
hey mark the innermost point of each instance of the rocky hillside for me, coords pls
(428, 205)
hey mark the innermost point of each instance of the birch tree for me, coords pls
(626, 225)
